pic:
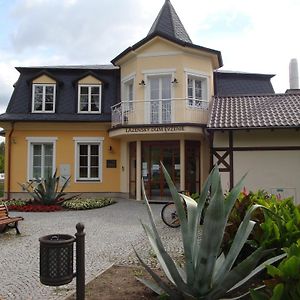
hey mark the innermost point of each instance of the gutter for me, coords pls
(9, 160)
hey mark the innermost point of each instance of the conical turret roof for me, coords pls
(168, 23)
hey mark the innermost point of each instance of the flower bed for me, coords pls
(74, 204)
(87, 203)
(35, 208)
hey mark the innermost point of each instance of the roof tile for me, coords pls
(256, 111)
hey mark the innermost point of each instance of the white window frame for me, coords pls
(205, 90)
(125, 93)
(34, 141)
(89, 86)
(157, 73)
(91, 141)
(44, 85)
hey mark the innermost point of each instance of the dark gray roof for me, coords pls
(37, 117)
(20, 104)
(256, 111)
(74, 67)
(167, 22)
(228, 83)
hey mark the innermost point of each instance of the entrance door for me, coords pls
(160, 99)
(152, 154)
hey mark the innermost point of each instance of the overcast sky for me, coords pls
(253, 35)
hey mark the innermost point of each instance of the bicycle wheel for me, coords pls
(169, 215)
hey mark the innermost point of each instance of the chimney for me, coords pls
(294, 79)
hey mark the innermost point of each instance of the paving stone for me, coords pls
(110, 233)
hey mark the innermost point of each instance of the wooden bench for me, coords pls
(6, 221)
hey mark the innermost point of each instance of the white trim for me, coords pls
(158, 71)
(47, 139)
(196, 72)
(160, 53)
(124, 92)
(128, 77)
(147, 115)
(88, 140)
(89, 111)
(39, 140)
(44, 85)
(205, 79)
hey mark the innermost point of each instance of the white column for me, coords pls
(182, 165)
(124, 167)
(138, 171)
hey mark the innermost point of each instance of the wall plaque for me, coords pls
(111, 163)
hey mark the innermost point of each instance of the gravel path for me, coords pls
(110, 233)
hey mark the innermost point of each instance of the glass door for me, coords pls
(152, 154)
(160, 99)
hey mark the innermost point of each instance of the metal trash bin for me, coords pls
(56, 259)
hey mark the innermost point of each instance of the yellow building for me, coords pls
(110, 126)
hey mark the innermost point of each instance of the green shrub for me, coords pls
(207, 273)
(285, 282)
(14, 202)
(277, 227)
(90, 203)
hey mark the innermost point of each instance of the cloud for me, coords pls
(254, 36)
(75, 30)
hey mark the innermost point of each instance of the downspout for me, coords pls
(9, 160)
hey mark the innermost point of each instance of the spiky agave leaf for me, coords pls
(240, 238)
(194, 226)
(161, 284)
(166, 260)
(203, 262)
(212, 235)
(189, 225)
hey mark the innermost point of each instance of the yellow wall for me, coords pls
(89, 80)
(43, 79)
(160, 54)
(65, 147)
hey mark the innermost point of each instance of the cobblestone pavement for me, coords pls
(110, 233)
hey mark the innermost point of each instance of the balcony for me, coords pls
(161, 111)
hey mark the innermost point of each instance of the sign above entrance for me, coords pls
(154, 129)
(158, 130)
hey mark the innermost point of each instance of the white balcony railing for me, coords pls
(162, 111)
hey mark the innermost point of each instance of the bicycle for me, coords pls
(169, 213)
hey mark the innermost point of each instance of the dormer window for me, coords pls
(43, 98)
(89, 98)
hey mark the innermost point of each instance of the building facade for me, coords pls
(110, 126)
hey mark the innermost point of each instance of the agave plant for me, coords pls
(47, 191)
(207, 273)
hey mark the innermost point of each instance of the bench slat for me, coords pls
(5, 219)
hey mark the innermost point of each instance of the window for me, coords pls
(128, 95)
(160, 92)
(43, 98)
(197, 91)
(89, 98)
(88, 153)
(41, 157)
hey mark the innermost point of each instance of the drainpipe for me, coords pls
(9, 160)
